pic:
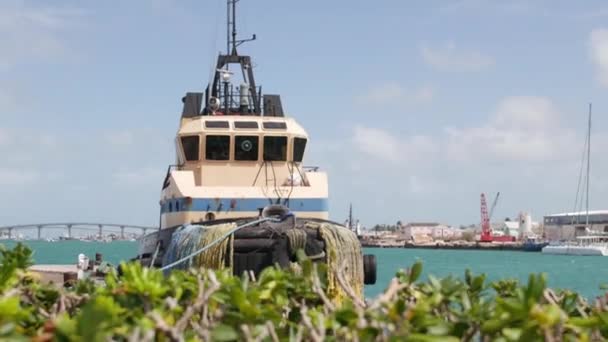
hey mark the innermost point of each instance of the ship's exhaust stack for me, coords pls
(244, 98)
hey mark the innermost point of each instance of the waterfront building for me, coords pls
(508, 228)
(568, 226)
(429, 231)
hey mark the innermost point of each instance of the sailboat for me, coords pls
(592, 242)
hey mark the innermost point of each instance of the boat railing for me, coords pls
(169, 168)
(235, 100)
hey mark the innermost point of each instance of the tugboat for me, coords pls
(239, 195)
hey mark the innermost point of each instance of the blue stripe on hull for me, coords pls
(241, 204)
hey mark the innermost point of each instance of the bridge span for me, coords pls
(7, 231)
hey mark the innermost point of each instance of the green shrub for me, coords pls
(280, 305)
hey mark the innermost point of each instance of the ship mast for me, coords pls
(231, 41)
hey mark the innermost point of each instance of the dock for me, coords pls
(55, 274)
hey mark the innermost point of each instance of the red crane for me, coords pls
(486, 230)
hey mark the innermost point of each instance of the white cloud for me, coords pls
(5, 137)
(6, 100)
(395, 93)
(120, 138)
(32, 32)
(17, 177)
(382, 145)
(484, 6)
(138, 176)
(423, 94)
(378, 143)
(449, 57)
(522, 128)
(599, 53)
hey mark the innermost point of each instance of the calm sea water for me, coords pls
(582, 274)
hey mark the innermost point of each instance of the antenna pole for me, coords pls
(588, 166)
(234, 26)
(231, 42)
(228, 27)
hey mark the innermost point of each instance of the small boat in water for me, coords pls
(239, 196)
(584, 245)
(533, 244)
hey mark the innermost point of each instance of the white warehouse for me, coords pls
(567, 226)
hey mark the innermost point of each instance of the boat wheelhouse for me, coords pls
(231, 166)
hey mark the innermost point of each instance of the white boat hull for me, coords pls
(576, 250)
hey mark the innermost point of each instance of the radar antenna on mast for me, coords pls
(231, 40)
(221, 96)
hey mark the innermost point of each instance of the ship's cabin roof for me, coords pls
(240, 139)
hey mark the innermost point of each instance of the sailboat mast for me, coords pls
(588, 166)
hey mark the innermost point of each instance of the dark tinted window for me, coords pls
(299, 144)
(245, 124)
(216, 124)
(275, 148)
(190, 146)
(246, 147)
(275, 125)
(217, 147)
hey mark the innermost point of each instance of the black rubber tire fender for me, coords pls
(369, 269)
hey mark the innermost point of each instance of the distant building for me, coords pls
(428, 231)
(567, 226)
(510, 228)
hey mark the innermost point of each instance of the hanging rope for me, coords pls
(296, 238)
(184, 238)
(343, 248)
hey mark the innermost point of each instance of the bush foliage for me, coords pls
(142, 304)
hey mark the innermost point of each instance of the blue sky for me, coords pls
(413, 107)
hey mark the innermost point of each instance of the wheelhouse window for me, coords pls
(246, 124)
(217, 147)
(246, 147)
(216, 124)
(299, 145)
(274, 125)
(190, 145)
(275, 148)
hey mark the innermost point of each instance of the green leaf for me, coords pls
(224, 333)
(415, 272)
(430, 338)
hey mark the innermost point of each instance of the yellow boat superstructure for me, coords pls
(231, 166)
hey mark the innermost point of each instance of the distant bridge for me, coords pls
(99, 227)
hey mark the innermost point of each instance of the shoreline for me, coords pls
(457, 246)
